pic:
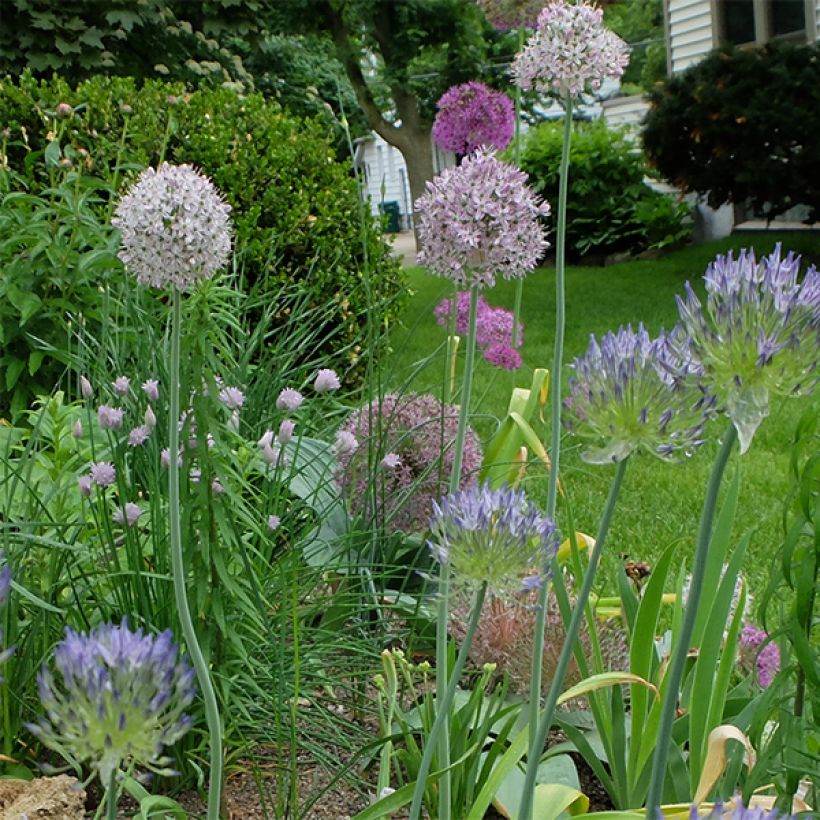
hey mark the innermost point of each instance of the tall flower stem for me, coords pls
(443, 711)
(539, 734)
(444, 577)
(111, 796)
(681, 650)
(178, 572)
(519, 283)
(555, 420)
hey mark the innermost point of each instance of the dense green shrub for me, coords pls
(296, 210)
(610, 207)
(742, 125)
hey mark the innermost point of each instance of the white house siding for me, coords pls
(625, 112)
(690, 31)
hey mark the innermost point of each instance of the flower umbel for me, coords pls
(471, 115)
(480, 220)
(175, 227)
(497, 536)
(570, 52)
(632, 393)
(758, 334)
(120, 697)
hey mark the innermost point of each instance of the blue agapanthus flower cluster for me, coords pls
(120, 698)
(759, 333)
(738, 812)
(630, 392)
(497, 536)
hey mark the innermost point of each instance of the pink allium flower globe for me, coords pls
(507, 14)
(471, 115)
(415, 435)
(175, 227)
(480, 220)
(570, 52)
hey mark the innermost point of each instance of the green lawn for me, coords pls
(660, 502)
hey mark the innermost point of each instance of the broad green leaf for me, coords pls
(602, 680)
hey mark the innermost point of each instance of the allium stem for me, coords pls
(111, 795)
(543, 725)
(555, 433)
(681, 650)
(519, 285)
(178, 572)
(443, 712)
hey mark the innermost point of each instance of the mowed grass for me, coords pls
(660, 503)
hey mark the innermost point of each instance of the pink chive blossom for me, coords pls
(266, 440)
(84, 483)
(151, 389)
(128, 515)
(507, 14)
(571, 51)
(165, 458)
(110, 418)
(480, 219)
(216, 487)
(421, 433)
(289, 400)
(286, 429)
(274, 522)
(103, 473)
(766, 660)
(77, 429)
(471, 115)
(150, 418)
(175, 227)
(391, 461)
(232, 397)
(195, 475)
(121, 385)
(85, 388)
(326, 381)
(139, 435)
(345, 443)
(503, 356)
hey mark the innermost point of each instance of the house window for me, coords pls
(757, 21)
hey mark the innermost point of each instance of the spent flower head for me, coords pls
(630, 393)
(570, 51)
(497, 536)
(175, 227)
(480, 220)
(507, 14)
(120, 697)
(759, 333)
(472, 115)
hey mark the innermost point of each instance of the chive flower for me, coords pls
(480, 220)
(110, 418)
(570, 52)
(497, 536)
(119, 697)
(175, 227)
(472, 115)
(630, 393)
(759, 333)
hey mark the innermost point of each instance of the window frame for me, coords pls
(763, 24)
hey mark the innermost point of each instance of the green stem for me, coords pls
(681, 650)
(111, 796)
(543, 725)
(178, 573)
(519, 284)
(555, 419)
(443, 708)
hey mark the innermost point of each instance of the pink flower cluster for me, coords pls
(766, 660)
(494, 329)
(412, 437)
(471, 115)
(507, 14)
(480, 220)
(570, 52)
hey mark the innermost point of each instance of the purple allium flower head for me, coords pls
(103, 473)
(758, 334)
(120, 697)
(737, 812)
(232, 397)
(289, 400)
(632, 393)
(326, 381)
(139, 435)
(286, 428)
(493, 535)
(570, 52)
(494, 325)
(175, 227)
(110, 418)
(503, 356)
(345, 443)
(84, 483)
(121, 385)
(766, 659)
(480, 220)
(274, 522)
(471, 115)
(85, 388)
(421, 432)
(507, 14)
(391, 461)
(127, 515)
(151, 389)
(77, 429)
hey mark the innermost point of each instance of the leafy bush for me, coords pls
(610, 206)
(742, 125)
(296, 210)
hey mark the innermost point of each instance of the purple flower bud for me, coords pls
(63, 110)
(77, 429)
(85, 388)
(326, 381)
(84, 483)
(150, 418)
(286, 429)
(289, 400)
(266, 440)
(110, 418)
(151, 389)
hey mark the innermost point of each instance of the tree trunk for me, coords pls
(417, 151)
